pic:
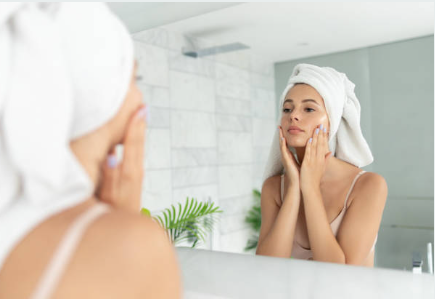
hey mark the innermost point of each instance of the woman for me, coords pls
(324, 208)
(69, 211)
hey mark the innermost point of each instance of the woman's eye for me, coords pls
(286, 110)
(310, 109)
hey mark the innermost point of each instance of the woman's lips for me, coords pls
(295, 131)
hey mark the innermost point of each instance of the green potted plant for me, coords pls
(190, 222)
(254, 220)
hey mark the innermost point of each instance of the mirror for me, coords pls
(213, 74)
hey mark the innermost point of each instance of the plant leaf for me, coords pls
(145, 212)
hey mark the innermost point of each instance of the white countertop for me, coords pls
(217, 275)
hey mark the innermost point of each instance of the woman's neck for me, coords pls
(335, 168)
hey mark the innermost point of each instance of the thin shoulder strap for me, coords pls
(351, 187)
(65, 250)
(282, 187)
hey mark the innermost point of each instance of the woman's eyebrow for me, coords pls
(303, 101)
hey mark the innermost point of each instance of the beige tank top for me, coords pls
(300, 252)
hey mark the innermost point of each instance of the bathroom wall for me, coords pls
(395, 86)
(210, 128)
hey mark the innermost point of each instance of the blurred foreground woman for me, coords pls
(69, 211)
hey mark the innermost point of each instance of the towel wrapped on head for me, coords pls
(346, 141)
(65, 70)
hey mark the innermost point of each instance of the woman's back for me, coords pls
(120, 256)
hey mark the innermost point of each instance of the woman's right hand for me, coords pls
(292, 168)
(121, 185)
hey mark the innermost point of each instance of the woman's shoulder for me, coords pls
(272, 188)
(370, 185)
(272, 183)
(371, 180)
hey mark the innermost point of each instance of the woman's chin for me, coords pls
(296, 143)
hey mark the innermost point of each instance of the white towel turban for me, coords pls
(65, 69)
(346, 141)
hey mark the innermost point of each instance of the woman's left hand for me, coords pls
(314, 164)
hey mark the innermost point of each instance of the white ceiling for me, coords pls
(287, 31)
(139, 16)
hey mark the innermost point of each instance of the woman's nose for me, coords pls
(294, 116)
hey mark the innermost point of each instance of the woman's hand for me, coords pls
(121, 184)
(315, 159)
(292, 168)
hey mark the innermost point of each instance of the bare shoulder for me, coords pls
(372, 182)
(140, 230)
(120, 255)
(131, 246)
(371, 186)
(272, 183)
(272, 189)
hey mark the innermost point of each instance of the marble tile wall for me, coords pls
(211, 124)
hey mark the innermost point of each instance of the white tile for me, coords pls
(156, 36)
(261, 66)
(235, 181)
(158, 149)
(232, 223)
(232, 82)
(199, 66)
(155, 96)
(159, 117)
(182, 157)
(234, 123)
(263, 131)
(153, 64)
(239, 59)
(258, 170)
(237, 205)
(201, 193)
(184, 177)
(179, 42)
(193, 129)
(192, 92)
(261, 154)
(257, 176)
(260, 81)
(234, 242)
(157, 194)
(262, 94)
(257, 183)
(158, 180)
(263, 109)
(235, 147)
(233, 106)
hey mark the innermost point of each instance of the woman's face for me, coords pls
(303, 110)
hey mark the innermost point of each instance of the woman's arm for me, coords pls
(322, 240)
(358, 228)
(323, 243)
(278, 223)
(361, 222)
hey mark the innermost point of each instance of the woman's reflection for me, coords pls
(324, 208)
